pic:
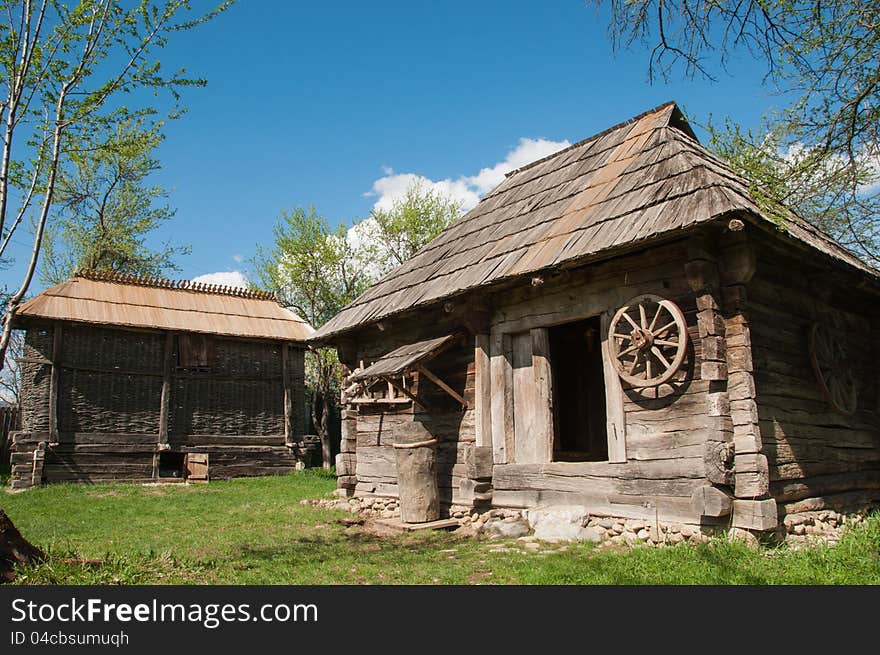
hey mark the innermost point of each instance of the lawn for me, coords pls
(255, 531)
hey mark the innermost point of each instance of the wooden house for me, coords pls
(618, 326)
(144, 379)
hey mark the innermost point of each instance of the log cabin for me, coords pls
(146, 379)
(619, 326)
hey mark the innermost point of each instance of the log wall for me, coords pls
(94, 408)
(818, 457)
(658, 442)
(665, 430)
(367, 463)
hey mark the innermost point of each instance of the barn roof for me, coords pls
(100, 298)
(641, 179)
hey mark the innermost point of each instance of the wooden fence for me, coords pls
(10, 420)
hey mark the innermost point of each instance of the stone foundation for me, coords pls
(795, 530)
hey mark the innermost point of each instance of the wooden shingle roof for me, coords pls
(635, 181)
(183, 306)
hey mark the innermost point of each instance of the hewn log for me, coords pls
(483, 390)
(711, 501)
(502, 399)
(755, 514)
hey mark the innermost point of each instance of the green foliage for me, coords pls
(828, 191)
(822, 58)
(255, 531)
(395, 235)
(106, 209)
(64, 71)
(315, 270)
(310, 266)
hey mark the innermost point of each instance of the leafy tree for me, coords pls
(829, 191)
(822, 57)
(106, 208)
(316, 271)
(395, 235)
(63, 70)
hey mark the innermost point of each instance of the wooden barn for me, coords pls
(146, 379)
(618, 326)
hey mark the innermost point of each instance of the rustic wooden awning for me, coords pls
(404, 359)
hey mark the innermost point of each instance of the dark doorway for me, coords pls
(172, 465)
(578, 392)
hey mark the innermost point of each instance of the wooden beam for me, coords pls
(54, 382)
(440, 383)
(289, 436)
(406, 392)
(502, 399)
(543, 389)
(615, 416)
(165, 399)
(483, 391)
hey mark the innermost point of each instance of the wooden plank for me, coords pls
(54, 382)
(543, 390)
(408, 395)
(197, 467)
(483, 390)
(165, 399)
(289, 436)
(502, 399)
(524, 400)
(615, 416)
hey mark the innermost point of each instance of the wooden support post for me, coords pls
(483, 391)
(502, 399)
(290, 437)
(165, 400)
(54, 381)
(543, 401)
(615, 417)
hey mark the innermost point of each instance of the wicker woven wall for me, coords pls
(35, 380)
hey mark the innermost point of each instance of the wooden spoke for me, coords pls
(659, 355)
(828, 358)
(631, 322)
(664, 342)
(646, 356)
(656, 316)
(665, 327)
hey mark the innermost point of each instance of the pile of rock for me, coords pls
(824, 525)
(575, 523)
(374, 507)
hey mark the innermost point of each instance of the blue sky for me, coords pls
(321, 103)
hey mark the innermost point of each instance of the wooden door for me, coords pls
(197, 467)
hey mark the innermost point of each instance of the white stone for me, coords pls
(562, 523)
(509, 529)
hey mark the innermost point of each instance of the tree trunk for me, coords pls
(324, 433)
(14, 549)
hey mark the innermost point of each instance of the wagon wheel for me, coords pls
(648, 338)
(828, 358)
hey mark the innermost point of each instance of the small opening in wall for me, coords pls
(578, 392)
(172, 465)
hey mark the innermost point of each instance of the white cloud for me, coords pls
(224, 278)
(468, 189)
(238, 258)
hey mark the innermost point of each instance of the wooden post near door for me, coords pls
(54, 380)
(290, 437)
(542, 402)
(165, 401)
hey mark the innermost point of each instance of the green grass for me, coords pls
(254, 531)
